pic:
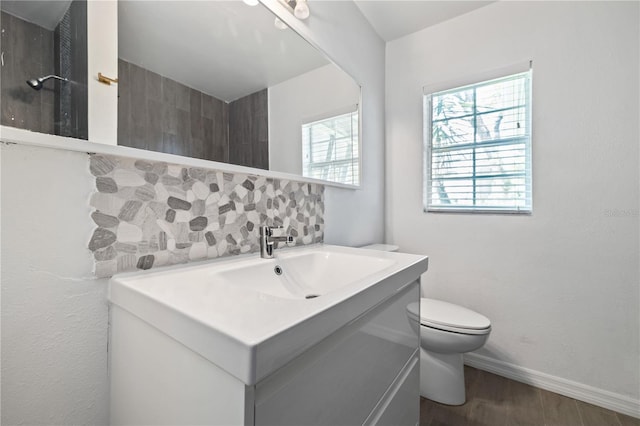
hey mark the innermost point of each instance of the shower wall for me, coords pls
(249, 130)
(157, 113)
(27, 52)
(31, 51)
(71, 112)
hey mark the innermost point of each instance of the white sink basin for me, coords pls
(244, 317)
(300, 275)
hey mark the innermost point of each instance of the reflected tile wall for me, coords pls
(159, 114)
(150, 214)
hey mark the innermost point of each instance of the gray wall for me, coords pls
(28, 53)
(31, 51)
(159, 114)
(71, 107)
(249, 131)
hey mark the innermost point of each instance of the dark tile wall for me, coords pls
(27, 52)
(159, 114)
(249, 130)
(71, 108)
(30, 51)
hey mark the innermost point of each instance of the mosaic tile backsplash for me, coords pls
(151, 214)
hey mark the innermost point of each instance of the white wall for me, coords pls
(314, 95)
(102, 57)
(353, 217)
(560, 286)
(54, 314)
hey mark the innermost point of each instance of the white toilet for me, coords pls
(446, 332)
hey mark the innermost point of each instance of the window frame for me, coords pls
(486, 78)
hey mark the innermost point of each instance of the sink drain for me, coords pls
(277, 270)
(311, 296)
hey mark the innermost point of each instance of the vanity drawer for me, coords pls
(401, 405)
(342, 379)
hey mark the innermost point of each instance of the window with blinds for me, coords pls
(330, 149)
(478, 147)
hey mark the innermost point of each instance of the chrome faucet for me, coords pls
(268, 243)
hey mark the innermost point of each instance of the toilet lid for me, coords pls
(447, 316)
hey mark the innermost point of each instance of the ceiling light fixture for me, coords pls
(299, 8)
(301, 11)
(251, 2)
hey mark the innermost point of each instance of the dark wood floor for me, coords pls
(495, 401)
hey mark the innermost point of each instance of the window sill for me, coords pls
(480, 211)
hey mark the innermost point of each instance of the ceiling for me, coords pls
(223, 48)
(232, 41)
(44, 13)
(393, 19)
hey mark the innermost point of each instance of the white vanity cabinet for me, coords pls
(365, 373)
(363, 370)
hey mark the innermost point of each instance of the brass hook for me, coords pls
(106, 80)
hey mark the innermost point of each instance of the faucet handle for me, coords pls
(274, 228)
(268, 230)
(287, 239)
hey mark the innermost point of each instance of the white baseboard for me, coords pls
(602, 398)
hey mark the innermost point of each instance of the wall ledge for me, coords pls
(29, 138)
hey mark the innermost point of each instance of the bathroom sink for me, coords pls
(250, 315)
(294, 275)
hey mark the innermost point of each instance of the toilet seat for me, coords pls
(448, 317)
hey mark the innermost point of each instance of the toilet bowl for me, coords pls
(446, 332)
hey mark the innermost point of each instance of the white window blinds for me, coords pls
(330, 149)
(478, 147)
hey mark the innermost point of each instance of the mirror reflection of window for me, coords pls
(330, 149)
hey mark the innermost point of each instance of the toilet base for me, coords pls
(442, 377)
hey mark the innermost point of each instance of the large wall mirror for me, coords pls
(216, 80)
